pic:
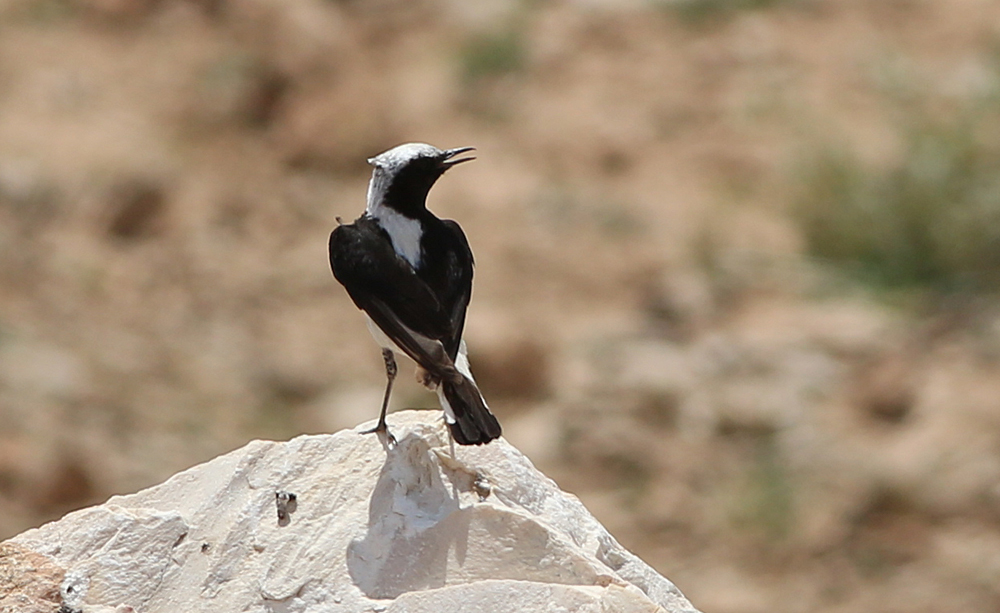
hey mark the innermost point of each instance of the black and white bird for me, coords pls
(411, 273)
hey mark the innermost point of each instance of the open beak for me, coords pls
(451, 156)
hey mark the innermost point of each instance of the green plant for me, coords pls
(702, 11)
(931, 219)
(492, 55)
(48, 11)
(765, 501)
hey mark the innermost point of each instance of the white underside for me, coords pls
(461, 363)
(380, 337)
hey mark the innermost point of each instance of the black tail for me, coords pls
(474, 424)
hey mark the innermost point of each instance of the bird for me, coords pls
(411, 274)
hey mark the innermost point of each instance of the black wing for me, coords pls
(391, 292)
(447, 269)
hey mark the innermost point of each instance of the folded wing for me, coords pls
(389, 290)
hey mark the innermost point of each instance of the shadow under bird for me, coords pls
(411, 273)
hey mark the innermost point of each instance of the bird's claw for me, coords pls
(382, 430)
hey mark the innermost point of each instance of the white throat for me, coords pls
(404, 232)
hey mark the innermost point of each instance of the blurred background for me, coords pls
(738, 262)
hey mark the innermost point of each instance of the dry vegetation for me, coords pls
(737, 262)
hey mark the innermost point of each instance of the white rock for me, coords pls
(409, 530)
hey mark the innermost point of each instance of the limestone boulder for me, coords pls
(338, 523)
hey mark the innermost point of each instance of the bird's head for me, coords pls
(403, 175)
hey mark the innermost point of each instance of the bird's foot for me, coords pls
(386, 437)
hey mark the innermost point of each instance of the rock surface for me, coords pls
(405, 530)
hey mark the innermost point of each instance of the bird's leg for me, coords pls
(390, 374)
